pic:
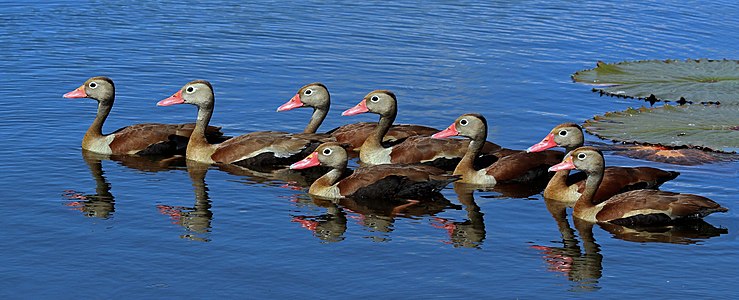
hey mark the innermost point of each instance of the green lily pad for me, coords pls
(689, 81)
(712, 127)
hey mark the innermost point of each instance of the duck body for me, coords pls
(138, 139)
(317, 96)
(389, 182)
(633, 208)
(256, 149)
(568, 188)
(515, 166)
(444, 154)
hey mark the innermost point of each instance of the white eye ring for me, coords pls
(581, 156)
(327, 151)
(93, 85)
(375, 99)
(308, 92)
(191, 89)
(464, 122)
(563, 132)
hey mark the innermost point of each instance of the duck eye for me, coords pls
(308, 92)
(581, 156)
(327, 151)
(190, 89)
(463, 122)
(93, 85)
(563, 132)
(375, 99)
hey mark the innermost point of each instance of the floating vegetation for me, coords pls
(706, 127)
(683, 81)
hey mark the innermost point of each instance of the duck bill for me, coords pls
(359, 109)
(310, 161)
(292, 104)
(546, 143)
(449, 131)
(566, 164)
(77, 93)
(174, 99)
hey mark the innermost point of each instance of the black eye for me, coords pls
(93, 85)
(375, 99)
(308, 92)
(563, 132)
(581, 156)
(190, 89)
(327, 151)
(463, 122)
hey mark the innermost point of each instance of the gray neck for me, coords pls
(473, 150)
(319, 114)
(591, 186)
(198, 134)
(383, 126)
(96, 129)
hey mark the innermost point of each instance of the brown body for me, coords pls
(566, 187)
(140, 139)
(632, 208)
(372, 182)
(316, 95)
(516, 166)
(256, 149)
(416, 149)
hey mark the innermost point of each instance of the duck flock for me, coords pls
(401, 164)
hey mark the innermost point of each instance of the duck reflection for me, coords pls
(102, 203)
(329, 226)
(284, 177)
(469, 233)
(376, 216)
(583, 265)
(687, 232)
(196, 219)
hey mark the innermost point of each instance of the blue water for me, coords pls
(166, 234)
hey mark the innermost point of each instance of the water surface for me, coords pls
(77, 226)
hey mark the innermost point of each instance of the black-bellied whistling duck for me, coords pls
(139, 139)
(633, 208)
(417, 182)
(316, 95)
(415, 149)
(263, 148)
(516, 167)
(563, 187)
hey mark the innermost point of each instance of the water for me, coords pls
(78, 227)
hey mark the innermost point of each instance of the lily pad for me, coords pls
(713, 127)
(683, 156)
(689, 81)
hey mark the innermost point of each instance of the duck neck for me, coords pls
(327, 180)
(383, 126)
(558, 181)
(467, 164)
(319, 114)
(96, 128)
(591, 186)
(197, 138)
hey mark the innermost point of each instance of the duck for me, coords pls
(444, 154)
(567, 188)
(137, 139)
(516, 167)
(316, 96)
(644, 207)
(255, 149)
(390, 182)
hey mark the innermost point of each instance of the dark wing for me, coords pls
(267, 148)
